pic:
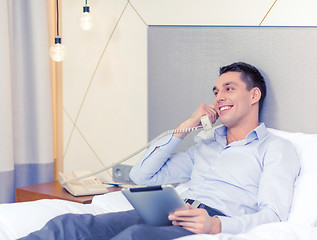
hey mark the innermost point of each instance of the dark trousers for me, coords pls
(120, 225)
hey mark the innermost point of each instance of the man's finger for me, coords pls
(187, 213)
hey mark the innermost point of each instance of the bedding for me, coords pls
(19, 219)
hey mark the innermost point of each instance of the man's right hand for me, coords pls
(196, 220)
(194, 119)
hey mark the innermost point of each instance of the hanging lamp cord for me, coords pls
(57, 19)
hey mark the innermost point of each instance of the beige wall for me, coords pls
(105, 71)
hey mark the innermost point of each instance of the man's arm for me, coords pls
(281, 166)
(159, 165)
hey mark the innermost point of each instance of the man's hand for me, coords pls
(204, 109)
(194, 119)
(196, 220)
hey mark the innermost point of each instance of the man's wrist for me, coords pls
(189, 123)
(215, 225)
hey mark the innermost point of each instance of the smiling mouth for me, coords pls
(224, 108)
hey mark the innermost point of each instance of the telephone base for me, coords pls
(85, 187)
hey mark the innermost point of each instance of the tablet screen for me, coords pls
(154, 203)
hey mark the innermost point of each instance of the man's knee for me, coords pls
(69, 224)
(60, 227)
(70, 219)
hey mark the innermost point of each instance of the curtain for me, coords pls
(26, 124)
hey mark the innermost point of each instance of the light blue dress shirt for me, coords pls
(251, 181)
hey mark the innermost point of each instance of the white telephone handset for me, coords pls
(85, 183)
(205, 122)
(88, 186)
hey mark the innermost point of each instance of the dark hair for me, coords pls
(250, 75)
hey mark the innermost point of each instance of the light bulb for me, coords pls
(86, 19)
(57, 51)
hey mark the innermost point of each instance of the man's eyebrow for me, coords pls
(224, 84)
(229, 83)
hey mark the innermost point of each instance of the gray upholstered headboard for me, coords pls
(183, 63)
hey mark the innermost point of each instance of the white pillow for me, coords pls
(304, 206)
(306, 147)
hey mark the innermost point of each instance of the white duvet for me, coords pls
(19, 219)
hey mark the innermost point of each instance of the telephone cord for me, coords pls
(188, 130)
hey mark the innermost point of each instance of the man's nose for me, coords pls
(220, 97)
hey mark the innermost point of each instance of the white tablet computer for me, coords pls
(154, 203)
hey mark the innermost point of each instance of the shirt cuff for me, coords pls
(230, 225)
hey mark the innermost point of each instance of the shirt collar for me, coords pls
(259, 132)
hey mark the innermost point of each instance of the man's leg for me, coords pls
(146, 232)
(85, 226)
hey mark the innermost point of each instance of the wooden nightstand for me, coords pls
(51, 190)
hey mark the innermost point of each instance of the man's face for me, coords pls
(232, 99)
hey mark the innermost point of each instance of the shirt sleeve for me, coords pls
(281, 166)
(159, 165)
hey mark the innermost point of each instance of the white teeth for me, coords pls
(224, 108)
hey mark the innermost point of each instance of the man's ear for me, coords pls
(255, 95)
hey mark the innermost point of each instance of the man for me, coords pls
(242, 175)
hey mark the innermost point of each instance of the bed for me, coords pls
(19, 219)
(199, 50)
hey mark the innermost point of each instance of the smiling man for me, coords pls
(239, 177)
(243, 175)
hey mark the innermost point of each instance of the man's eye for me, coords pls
(229, 88)
(215, 93)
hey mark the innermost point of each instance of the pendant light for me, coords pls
(86, 18)
(57, 51)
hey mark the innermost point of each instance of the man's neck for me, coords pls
(240, 132)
